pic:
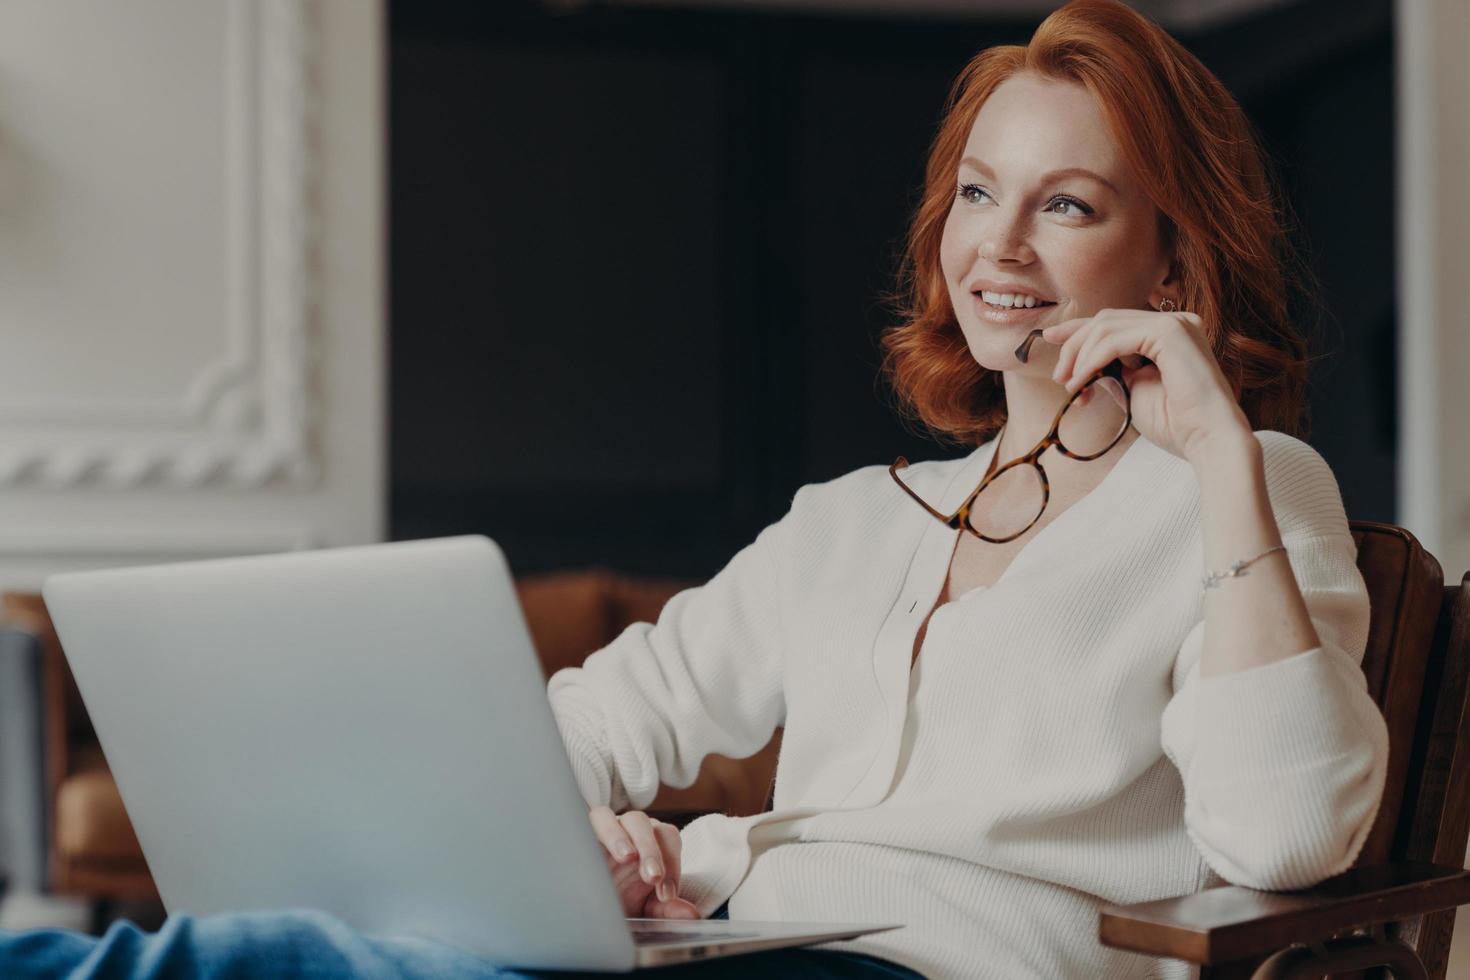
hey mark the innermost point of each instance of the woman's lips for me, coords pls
(1016, 314)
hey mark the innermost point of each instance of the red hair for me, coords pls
(1198, 159)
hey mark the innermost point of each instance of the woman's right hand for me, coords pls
(643, 856)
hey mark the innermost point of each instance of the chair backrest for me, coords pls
(1405, 594)
(1417, 664)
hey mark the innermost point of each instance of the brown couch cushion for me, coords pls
(572, 614)
(569, 614)
(91, 824)
(640, 600)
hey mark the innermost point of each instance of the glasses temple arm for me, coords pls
(901, 463)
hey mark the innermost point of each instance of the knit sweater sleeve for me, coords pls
(1284, 764)
(705, 678)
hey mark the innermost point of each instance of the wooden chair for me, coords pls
(1396, 907)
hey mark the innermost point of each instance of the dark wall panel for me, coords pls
(566, 292)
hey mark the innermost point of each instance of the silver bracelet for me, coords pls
(1213, 579)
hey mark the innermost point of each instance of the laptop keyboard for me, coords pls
(650, 935)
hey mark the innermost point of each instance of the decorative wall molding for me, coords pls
(246, 418)
(129, 543)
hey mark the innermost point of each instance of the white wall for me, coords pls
(191, 279)
(1434, 266)
(1433, 200)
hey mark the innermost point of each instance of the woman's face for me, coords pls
(1084, 243)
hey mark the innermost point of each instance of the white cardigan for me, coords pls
(1053, 747)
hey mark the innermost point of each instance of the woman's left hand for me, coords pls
(1181, 401)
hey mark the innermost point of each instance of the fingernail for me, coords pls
(623, 850)
(664, 890)
(650, 870)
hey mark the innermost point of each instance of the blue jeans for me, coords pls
(318, 946)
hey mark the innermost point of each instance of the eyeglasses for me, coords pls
(1086, 427)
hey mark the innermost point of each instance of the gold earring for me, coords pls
(1167, 305)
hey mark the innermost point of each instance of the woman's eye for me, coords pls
(967, 192)
(968, 189)
(1082, 209)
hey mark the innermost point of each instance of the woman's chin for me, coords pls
(997, 353)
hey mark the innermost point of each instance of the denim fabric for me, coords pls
(316, 946)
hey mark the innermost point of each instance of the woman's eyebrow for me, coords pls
(1063, 172)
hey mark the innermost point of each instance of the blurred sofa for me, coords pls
(84, 830)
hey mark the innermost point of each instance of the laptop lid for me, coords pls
(359, 730)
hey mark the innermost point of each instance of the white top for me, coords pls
(1053, 747)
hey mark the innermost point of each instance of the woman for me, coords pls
(1003, 710)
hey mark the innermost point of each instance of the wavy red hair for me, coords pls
(1197, 157)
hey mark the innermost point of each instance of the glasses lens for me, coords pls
(1095, 419)
(1008, 504)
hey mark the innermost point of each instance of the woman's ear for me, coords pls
(1171, 273)
(1166, 285)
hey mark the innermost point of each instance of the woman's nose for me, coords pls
(1005, 240)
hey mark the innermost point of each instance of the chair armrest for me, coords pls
(1231, 923)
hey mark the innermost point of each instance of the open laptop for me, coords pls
(363, 731)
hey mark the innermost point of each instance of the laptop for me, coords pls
(364, 731)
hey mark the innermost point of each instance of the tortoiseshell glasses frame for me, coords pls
(960, 519)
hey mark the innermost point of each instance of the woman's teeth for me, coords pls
(1012, 300)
